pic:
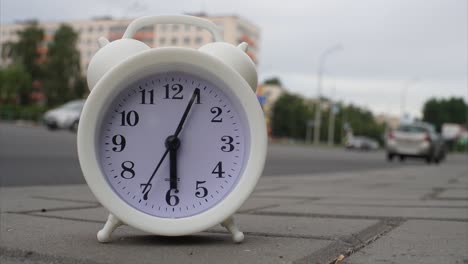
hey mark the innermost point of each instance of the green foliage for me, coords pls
(15, 84)
(289, 117)
(291, 113)
(18, 78)
(18, 112)
(362, 122)
(26, 50)
(452, 110)
(273, 81)
(64, 80)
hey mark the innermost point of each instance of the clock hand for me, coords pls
(196, 94)
(145, 196)
(173, 144)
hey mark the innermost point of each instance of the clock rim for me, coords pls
(163, 60)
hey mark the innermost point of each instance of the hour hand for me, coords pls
(173, 144)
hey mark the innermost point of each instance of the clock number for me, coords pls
(131, 118)
(217, 112)
(172, 199)
(143, 96)
(218, 170)
(146, 189)
(120, 143)
(228, 144)
(201, 192)
(128, 172)
(176, 88)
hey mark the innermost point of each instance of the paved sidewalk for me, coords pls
(408, 215)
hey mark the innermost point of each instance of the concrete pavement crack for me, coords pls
(369, 217)
(57, 209)
(348, 245)
(62, 199)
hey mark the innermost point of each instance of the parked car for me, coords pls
(362, 143)
(416, 140)
(66, 116)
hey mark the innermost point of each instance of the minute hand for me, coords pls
(195, 94)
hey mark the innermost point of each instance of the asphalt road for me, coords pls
(35, 156)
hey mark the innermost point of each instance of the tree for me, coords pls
(15, 84)
(291, 114)
(289, 117)
(25, 55)
(64, 80)
(452, 110)
(273, 81)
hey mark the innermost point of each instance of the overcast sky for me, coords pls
(387, 44)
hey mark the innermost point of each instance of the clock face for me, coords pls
(172, 145)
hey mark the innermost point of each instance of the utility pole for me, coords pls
(318, 108)
(331, 119)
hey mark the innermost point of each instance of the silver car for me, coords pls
(66, 116)
(415, 140)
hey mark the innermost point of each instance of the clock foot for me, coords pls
(104, 235)
(237, 235)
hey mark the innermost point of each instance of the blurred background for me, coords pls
(344, 85)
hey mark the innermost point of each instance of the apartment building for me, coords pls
(234, 29)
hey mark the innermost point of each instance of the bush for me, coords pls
(17, 112)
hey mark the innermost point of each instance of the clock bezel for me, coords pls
(163, 60)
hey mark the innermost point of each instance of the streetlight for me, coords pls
(331, 118)
(318, 113)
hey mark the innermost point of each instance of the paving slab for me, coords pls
(320, 228)
(418, 241)
(39, 198)
(368, 211)
(54, 238)
(460, 194)
(394, 203)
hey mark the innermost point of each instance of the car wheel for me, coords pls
(429, 159)
(389, 157)
(51, 126)
(402, 158)
(74, 126)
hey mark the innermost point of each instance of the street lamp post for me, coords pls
(318, 113)
(331, 119)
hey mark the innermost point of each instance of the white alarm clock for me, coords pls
(171, 140)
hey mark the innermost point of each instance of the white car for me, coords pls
(362, 143)
(416, 140)
(66, 116)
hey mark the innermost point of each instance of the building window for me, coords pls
(162, 41)
(163, 28)
(187, 27)
(118, 29)
(198, 40)
(187, 41)
(175, 28)
(147, 29)
(174, 41)
(90, 29)
(100, 29)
